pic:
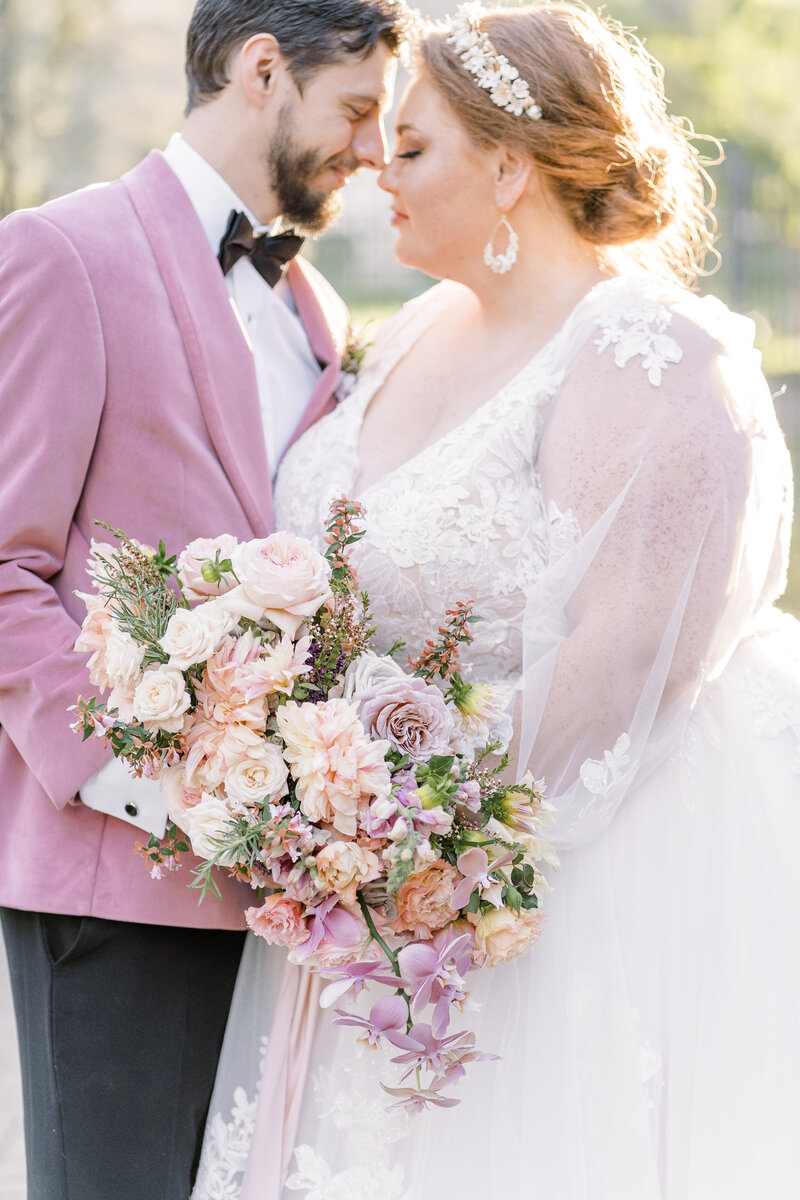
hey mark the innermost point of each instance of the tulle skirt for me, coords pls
(649, 1042)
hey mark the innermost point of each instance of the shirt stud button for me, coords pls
(131, 810)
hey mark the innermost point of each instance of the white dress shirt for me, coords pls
(286, 374)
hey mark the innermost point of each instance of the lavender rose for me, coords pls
(410, 714)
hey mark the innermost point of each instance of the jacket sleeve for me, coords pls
(52, 390)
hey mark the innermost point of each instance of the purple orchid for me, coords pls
(330, 921)
(423, 1049)
(418, 1099)
(388, 1014)
(457, 1058)
(356, 976)
(474, 866)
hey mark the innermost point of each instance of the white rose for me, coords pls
(261, 776)
(205, 824)
(367, 671)
(161, 699)
(285, 576)
(123, 657)
(192, 636)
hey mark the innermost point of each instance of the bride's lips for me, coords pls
(397, 218)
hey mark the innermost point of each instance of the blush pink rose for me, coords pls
(279, 921)
(423, 901)
(411, 715)
(284, 576)
(195, 557)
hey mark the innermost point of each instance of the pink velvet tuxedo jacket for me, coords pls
(127, 393)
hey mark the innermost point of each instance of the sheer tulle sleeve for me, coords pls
(660, 455)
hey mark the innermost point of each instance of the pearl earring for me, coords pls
(500, 263)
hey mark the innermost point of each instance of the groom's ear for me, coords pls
(512, 175)
(258, 63)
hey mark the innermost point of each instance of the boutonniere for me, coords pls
(355, 348)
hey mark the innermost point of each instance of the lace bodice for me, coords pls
(462, 520)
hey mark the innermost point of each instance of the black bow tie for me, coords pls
(269, 255)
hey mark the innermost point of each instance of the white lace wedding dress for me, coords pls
(619, 512)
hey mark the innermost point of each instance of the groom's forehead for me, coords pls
(366, 82)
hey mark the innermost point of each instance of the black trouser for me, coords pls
(120, 1028)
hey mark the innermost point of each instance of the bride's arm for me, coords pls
(621, 631)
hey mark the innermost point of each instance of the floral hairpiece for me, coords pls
(492, 71)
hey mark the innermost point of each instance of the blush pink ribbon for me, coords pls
(283, 1078)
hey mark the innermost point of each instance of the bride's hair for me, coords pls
(625, 171)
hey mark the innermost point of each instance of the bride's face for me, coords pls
(442, 187)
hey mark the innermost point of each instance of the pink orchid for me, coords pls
(387, 1014)
(330, 921)
(418, 1099)
(435, 975)
(356, 976)
(474, 866)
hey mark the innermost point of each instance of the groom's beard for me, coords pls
(292, 172)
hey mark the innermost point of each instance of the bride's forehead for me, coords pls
(422, 106)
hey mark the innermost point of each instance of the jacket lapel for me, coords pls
(216, 347)
(324, 319)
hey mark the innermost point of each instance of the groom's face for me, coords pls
(325, 132)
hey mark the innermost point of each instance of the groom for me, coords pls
(157, 356)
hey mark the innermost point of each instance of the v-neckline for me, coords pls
(393, 360)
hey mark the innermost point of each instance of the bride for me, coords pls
(566, 435)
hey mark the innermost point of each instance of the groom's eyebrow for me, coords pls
(366, 101)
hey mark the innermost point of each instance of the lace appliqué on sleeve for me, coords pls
(600, 775)
(634, 324)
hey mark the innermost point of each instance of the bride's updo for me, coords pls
(623, 169)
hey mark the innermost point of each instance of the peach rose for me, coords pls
(285, 576)
(501, 935)
(342, 866)
(161, 699)
(196, 557)
(279, 921)
(93, 638)
(423, 901)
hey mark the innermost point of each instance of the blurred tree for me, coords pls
(732, 67)
(51, 53)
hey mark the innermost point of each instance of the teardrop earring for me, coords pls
(501, 263)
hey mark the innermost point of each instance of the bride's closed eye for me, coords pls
(410, 154)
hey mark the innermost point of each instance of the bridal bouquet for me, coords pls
(353, 791)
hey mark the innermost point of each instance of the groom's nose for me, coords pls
(369, 143)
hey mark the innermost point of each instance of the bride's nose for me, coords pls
(386, 179)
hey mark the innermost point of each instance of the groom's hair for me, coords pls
(311, 34)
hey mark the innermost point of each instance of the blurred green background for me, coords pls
(87, 87)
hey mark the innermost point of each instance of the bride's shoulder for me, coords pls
(644, 309)
(658, 333)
